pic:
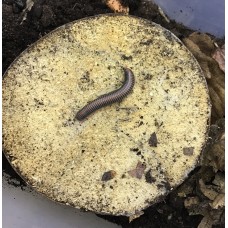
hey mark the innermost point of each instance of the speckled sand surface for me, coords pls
(111, 162)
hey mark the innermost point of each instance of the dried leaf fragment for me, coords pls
(163, 14)
(204, 60)
(29, 5)
(211, 218)
(219, 201)
(219, 56)
(191, 201)
(219, 180)
(202, 47)
(215, 156)
(207, 191)
(206, 222)
(138, 171)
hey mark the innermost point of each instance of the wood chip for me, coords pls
(153, 142)
(138, 171)
(116, 6)
(108, 175)
(188, 151)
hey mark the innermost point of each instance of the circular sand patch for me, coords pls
(125, 156)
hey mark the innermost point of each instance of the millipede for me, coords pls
(109, 98)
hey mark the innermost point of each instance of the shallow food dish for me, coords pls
(125, 156)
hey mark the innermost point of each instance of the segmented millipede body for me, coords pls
(109, 98)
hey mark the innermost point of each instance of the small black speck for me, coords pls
(166, 185)
(157, 124)
(147, 42)
(148, 77)
(149, 178)
(141, 123)
(124, 57)
(134, 149)
(38, 102)
(160, 186)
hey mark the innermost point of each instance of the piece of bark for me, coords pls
(138, 171)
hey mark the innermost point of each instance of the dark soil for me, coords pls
(48, 15)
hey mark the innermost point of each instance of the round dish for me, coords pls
(125, 156)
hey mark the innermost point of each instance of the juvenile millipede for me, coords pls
(109, 98)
